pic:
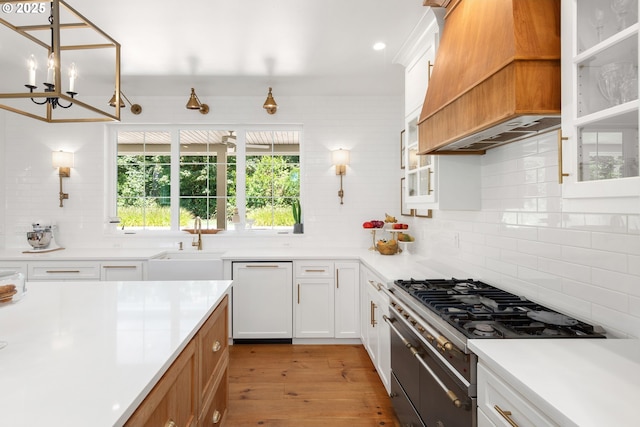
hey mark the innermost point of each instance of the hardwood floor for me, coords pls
(305, 386)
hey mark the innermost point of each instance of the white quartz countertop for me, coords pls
(81, 254)
(576, 382)
(86, 353)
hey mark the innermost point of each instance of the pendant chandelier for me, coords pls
(58, 58)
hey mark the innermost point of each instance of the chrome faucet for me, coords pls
(197, 225)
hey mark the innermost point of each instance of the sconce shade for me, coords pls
(270, 104)
(112, 101)
(62, 159)
(194, 103)
(340, 157)
(135, 108)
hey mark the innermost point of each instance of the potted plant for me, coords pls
(297, 214)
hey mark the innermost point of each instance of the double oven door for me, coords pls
(424, 392)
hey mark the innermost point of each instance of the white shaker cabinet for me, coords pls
(374, 331)
(326, 299)
(431, 182)
(500, 404)
(122, 270)
(598, 147)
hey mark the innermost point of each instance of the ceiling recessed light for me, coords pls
(379, 46)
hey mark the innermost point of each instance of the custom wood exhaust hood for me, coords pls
(496, 77)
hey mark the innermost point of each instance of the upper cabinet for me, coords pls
(431, 182)
(598, 147)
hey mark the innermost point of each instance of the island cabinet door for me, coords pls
(172, 402)
(213, 344)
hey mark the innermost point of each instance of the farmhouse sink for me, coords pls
(190, 255)
(186, 265)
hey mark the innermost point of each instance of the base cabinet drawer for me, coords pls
(213, 347)
(504, 406)
(55, 271)
(173, 401)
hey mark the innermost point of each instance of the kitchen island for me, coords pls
(88, 353)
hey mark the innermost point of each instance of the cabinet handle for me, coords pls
(298, 293)
(429, 189)
(118, 266)
(170, 423)
(429, 68)
(373, 314)
(561, 174)
(62, 271)
(261, 266)
(506, 415)
(216, 346)
(216, 417)
(337, 278)
(314, 271)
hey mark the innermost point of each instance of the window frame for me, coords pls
(111, 168)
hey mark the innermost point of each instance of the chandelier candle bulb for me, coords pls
(33, 66)
(51, 69)
(73, 74)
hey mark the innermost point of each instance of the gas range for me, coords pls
(478, 310)
(434, 375)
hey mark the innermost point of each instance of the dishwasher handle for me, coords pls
(450, 393)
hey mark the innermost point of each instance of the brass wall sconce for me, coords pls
(64, 162)
(270, 104)
(194, 103)
(340, 159)
(135, 108)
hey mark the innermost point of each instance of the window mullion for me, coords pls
(175, 179)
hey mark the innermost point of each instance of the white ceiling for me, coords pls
(239, 47)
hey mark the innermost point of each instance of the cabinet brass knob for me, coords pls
(216, 346)
(170, 423)
(216, 417)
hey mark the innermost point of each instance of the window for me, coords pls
(167, 177)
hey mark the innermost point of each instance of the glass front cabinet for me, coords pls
(598, 146)
(431, 182)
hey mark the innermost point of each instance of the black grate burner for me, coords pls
(479, 310)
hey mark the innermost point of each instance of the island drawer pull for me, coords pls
(171, 423)
(216, 346)
(506, 415)
(216, 417)
(62, 271)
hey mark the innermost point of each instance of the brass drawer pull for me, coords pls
(315, 271)
(506, 415)
(216, 346)
(170, 423)
(62, 271)
(261, 266)
(216, 417)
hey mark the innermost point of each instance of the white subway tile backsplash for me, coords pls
(595, 258)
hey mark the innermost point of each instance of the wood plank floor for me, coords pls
(305, 386)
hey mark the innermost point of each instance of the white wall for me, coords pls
(368, 126)
(587, 265)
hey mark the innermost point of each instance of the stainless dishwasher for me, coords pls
(262, 308)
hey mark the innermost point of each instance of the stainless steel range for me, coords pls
(433, 371)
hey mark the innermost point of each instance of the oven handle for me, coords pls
(450, 394)
(442, 341)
